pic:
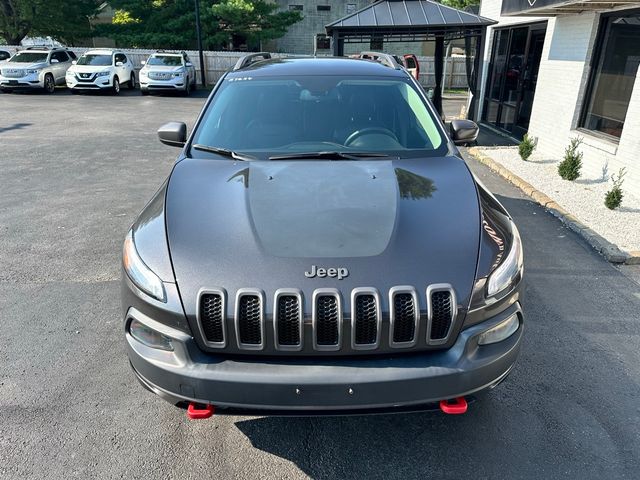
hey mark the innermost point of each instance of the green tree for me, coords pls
(171, 23)
(251, 22)
(66, 21)
(157, 23)
(460, 4)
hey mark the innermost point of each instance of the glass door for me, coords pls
(513, 72)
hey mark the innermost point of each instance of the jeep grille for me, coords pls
(326, 327)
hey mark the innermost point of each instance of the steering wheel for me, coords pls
(368, 131)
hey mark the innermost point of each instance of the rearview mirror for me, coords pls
(463, 131)
(173, 134)
(119, 64)
(55, 60)
(189, 64)
(75, 62)
(143, 62)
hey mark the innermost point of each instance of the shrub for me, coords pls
(527, 146)
(569, 168)
(613, 198)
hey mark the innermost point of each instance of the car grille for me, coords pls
(159, 76)
(11, 73)
(326, 329)
(212, 317)
(441, 314)
(85, 77)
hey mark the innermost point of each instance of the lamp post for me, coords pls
(199, 35)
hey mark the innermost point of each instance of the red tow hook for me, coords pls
(454, 406)
(197, 411)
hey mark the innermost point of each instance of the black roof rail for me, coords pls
(38, 47)
(383, 58)
(251, 58)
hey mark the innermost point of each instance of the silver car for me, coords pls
(36, 67)
(167, 71)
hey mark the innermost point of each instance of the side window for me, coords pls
(120, 57)
(60, 56)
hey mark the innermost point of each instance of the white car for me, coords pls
(35, 67)
(101, 70)
(165, 71)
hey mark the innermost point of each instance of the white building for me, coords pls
(566, 68)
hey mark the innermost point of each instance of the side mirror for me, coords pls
(75, 62)
(119, 64)
(173, 134)
(463, 131)
(189, 64)
(55, 60)
(143, 62)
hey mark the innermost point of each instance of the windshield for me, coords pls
(167, 60)
(30, 57)
(274, 116)
(100, 60)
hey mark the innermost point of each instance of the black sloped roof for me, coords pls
(414, 14)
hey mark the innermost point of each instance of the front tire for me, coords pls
(132, 82)
(49, 84)
(187, 88)
(116, 86)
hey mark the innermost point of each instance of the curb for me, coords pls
(610, 251)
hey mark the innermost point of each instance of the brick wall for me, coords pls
(562, 81)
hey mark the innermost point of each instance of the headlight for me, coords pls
(139, 273)
(103, 74)
(178, 74)
(33, 71)
(144, 73)
(512, 267)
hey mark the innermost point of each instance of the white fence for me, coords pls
(216, 63)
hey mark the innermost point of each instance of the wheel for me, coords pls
(116, 86)
(49, 83)
(187, 88)
(132, 82)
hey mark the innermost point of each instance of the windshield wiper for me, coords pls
(225, 152)
(330, 156)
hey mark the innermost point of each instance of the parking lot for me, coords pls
(75, 171)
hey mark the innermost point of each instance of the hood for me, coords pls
(24, 66)
(89, 68)
(264, 224)
(163, 68)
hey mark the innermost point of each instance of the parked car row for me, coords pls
(102, 69)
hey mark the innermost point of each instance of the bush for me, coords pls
(613, 198)
(527, 146)
(569, 168)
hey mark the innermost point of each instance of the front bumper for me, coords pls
(176, 83)
(323, 384)
(99, 83)
(26, 82)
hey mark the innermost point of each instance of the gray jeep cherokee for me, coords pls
(320, 246)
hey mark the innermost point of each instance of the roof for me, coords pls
(408, 13)
(316, 66)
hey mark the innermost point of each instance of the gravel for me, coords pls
(583, 198)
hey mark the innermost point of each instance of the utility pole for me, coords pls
(199, 34)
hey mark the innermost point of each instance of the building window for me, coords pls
(297, 8)
(324, 8)
(323, 42)
(617, 56)
(351, 8)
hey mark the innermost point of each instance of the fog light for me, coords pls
(150, 337)
(500, 332)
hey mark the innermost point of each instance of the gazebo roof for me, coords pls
(419, 15)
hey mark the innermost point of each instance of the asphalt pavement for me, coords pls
(75, 171)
